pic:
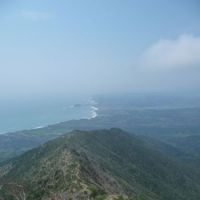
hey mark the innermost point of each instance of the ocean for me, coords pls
(37, 113)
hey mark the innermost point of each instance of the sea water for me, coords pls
(37, 113)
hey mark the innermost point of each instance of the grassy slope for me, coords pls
(91, 165)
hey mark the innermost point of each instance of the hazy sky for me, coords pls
(98, 46)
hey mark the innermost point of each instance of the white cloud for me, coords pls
(35, 15)
(183, 52)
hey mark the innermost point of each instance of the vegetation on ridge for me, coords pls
(102, 164)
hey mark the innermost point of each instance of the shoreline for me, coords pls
(92, 114)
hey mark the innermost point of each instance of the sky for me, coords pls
(98, 46)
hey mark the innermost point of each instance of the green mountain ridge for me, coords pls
(101, 164)
(167, 125)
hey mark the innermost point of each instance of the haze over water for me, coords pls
(60, 48)
(31, 114)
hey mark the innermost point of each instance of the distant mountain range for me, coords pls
(101, 164)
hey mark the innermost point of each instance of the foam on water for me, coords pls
(36, 115)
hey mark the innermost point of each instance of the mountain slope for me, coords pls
(97, 165)
(162, 123)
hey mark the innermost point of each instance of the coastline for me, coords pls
(92, 112)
